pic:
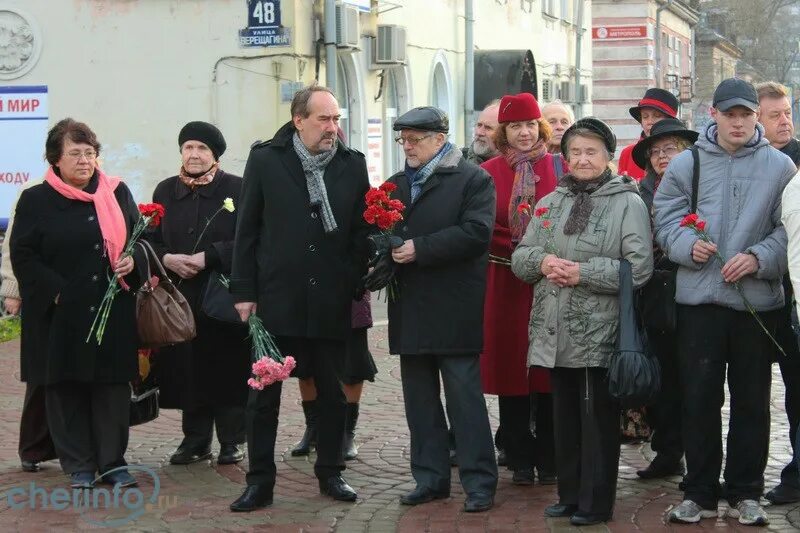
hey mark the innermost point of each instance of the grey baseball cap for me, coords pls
(735, 92)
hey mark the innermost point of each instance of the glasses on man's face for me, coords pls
(669, 151)
(76, 155)
(412, 141)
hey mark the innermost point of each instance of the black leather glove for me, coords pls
(383, 269)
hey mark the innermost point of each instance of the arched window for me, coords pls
(349, 93)
(396, 101)
(441, 89)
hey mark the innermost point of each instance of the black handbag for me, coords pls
(634, 376)
(218, 302)
(656, 300)
(144, 405)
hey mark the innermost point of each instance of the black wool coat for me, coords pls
(439, 308)
(212, 369)
(302, 279)
(57, 249)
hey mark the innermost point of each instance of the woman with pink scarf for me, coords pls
(67, 241)
(523, 173)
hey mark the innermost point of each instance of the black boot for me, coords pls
(348, 447)
(309, 439)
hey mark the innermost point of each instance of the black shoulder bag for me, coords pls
(656, 300)
(634, 376)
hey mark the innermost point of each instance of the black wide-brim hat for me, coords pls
(668, 127)
(658, 99)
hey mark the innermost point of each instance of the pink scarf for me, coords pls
(523, 191)
(109, 213)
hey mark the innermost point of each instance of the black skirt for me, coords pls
(358, 366)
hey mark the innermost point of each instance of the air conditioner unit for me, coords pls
(547, 90)
(585, 93)
(348, 32)
(566, 92)
(390, 47)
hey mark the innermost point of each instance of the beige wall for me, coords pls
(137, 70)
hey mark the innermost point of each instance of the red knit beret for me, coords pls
(518, 107)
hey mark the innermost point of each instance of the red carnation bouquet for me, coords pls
(150, 216)
(698, 225)
(543, 214)
(384, 212)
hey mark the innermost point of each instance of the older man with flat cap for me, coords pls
(436, 317)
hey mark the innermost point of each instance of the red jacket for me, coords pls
(627, 165)
(507, 307)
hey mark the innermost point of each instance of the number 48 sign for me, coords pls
(263, 13)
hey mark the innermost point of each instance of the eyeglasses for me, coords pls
(90, 155)
(412, 141)
(669, 151)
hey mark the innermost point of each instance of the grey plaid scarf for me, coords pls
(314, 169)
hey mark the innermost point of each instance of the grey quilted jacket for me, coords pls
(577, 326)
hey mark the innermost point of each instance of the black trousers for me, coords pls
(790, 372)
(665, 414)
(587, 439)
(198, 426)
(89, 423)
(466, 409)
(326, 358)
(35, 443)
(544, 432)
(516, 437)
(712, 340)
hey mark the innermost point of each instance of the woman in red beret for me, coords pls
(523, 173)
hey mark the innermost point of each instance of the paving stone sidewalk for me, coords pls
(196, 497)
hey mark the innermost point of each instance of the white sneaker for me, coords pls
(749, 513)
(688, 512)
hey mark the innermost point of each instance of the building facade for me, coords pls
(639, 44)
(137, 70)
(717, 59)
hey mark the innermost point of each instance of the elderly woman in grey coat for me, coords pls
(571, 255)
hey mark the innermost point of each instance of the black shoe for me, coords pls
(338, 489)
(422, 495)
(230, 454)
(658, 469)
(588, 519)
(478, 502)
(351, 419)
(254, 497)
(187, 456)
(123, 478)
(523, 476)
(560, 510)
(30, 466)
(546, 477)
(81, 480)
(309, 440)
(783, 494)
(501, 458)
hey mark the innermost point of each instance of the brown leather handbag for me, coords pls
(163, 315)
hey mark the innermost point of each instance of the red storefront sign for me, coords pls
(619, 32)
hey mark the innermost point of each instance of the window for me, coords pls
(441, 90)
(565, 14)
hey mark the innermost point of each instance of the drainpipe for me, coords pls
(659, 77)
(469, 55)
(578, 47)
(330, 45)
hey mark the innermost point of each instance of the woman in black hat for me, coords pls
(205, 377)
(667, 139)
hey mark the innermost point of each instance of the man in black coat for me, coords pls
(298, 255)
(436, 317)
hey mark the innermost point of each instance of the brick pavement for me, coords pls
(196, 497)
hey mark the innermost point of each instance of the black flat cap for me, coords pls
(424, 119)
(596, 126)
(207, 134)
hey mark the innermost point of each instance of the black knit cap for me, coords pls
(596, 126)
(207, 134)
